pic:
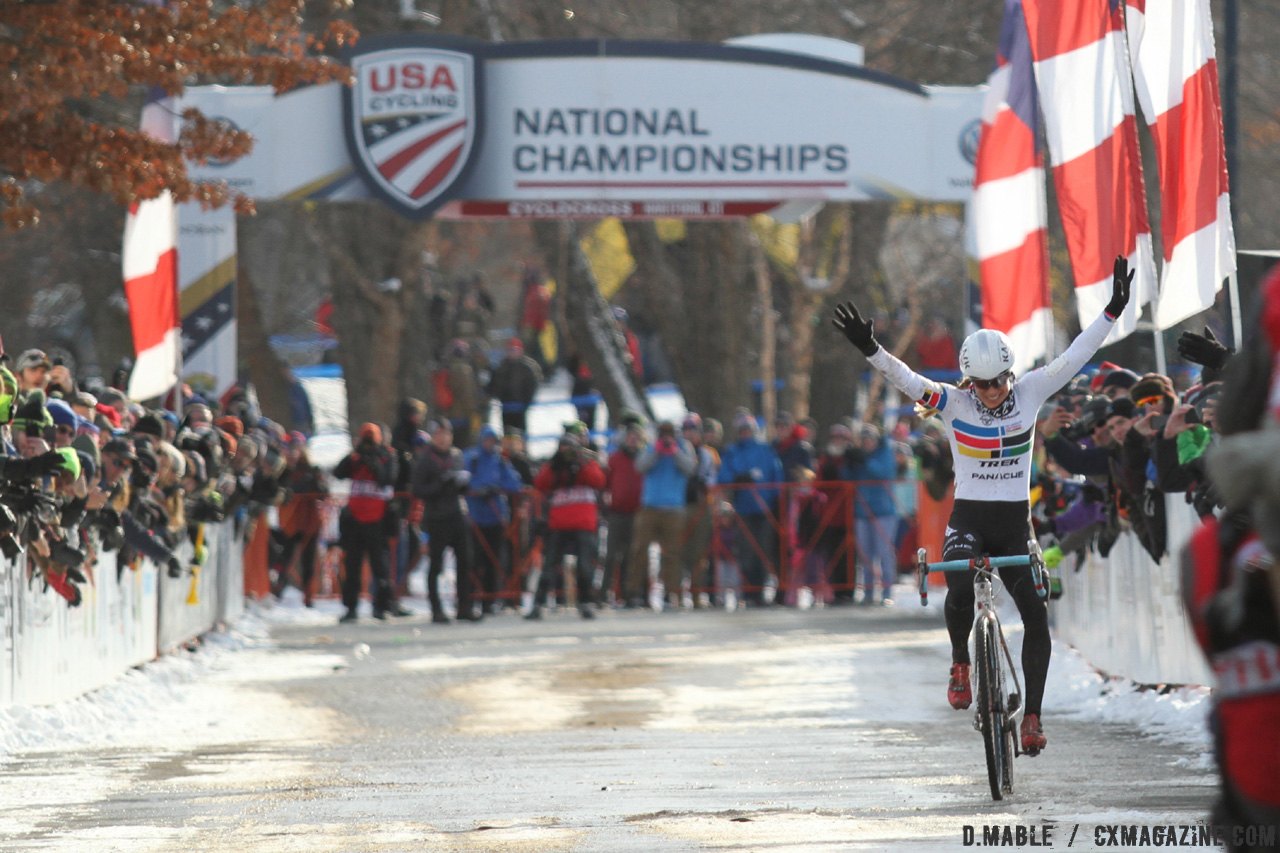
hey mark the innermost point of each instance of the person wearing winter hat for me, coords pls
(66, 422)
(371, 468)
(571, 482)
(1117, 383)
(514, 383)
(83, 403)
(1155, 391)
(301, 519)
(695, 552)
(151, 425)
(753, 469)
(441, 480)
(88, 467)
(31, 418)
(623, 485)
(493, 482)
(8, 395)
(85, 444)
(666, 464)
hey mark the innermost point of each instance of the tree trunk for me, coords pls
(697, 293)
(266, 372)
(372, 251)
(837, 367)
(822, 267)
(590, 323)
(768, 332)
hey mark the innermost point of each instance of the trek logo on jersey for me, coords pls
(990, 442)
(412, 122)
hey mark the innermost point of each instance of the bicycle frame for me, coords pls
(997, 731)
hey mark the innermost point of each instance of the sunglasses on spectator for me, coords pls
(1149, 401)
(987, 384)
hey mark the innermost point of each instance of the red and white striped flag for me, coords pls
(1007, 218)
(150, 260)
(1176, 76)
(1082, 70)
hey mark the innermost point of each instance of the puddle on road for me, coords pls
(595, 695)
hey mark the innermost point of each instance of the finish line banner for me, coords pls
(589, 129)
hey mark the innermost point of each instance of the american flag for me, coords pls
(1086, 92)
(1007, 218)
(1176, 78)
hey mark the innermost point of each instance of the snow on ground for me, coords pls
(551, 409)
(186, 685)
(164, 700)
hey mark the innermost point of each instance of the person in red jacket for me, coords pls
(371, 468)
(1231, 584)
(571, 481)
(622, 501)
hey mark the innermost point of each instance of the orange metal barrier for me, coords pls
(809, 541)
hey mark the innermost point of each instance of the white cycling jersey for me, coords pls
(992, 447)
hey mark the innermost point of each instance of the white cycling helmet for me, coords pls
(986, 354)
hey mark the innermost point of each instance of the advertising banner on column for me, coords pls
(563, 129)
(207, 297)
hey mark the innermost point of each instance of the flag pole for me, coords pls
(1233, 301)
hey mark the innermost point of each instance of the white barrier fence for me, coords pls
(1125, 613)
(53, 652)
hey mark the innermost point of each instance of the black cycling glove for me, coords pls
(860, 332)
(1121, 280)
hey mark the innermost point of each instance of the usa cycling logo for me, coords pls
(412, 122)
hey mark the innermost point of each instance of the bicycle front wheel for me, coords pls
(991, 716)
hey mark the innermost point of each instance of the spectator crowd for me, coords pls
(86, 470)
(677, 514)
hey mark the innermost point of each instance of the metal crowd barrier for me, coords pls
(820, 552)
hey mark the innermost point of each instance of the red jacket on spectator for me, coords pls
(625, 483)
(536, 309)
(372, 471)
(935, 348)
(573, 501)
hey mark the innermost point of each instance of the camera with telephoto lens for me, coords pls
(1077, 430)
(27, 499)
(9, 544)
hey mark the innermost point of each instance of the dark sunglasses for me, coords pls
(987, 384)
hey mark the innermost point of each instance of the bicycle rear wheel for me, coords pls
(991, 716)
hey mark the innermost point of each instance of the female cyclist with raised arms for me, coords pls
(990, 417)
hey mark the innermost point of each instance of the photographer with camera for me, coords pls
(371, 468)
(666, 464)
(571, 482)
(441, 480)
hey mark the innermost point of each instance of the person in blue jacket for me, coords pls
(493, 480)
(666, 465)
(875, 514)
(754, 470)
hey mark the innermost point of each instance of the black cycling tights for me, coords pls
(997, 529)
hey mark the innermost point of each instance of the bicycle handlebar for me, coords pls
(993, 562)
(923, 568)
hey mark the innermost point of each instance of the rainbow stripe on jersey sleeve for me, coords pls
(995, 442)
(934, 397)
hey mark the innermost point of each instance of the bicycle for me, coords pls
(999, 710)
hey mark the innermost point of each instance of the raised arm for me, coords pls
(861, 333)
(1048, 379)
